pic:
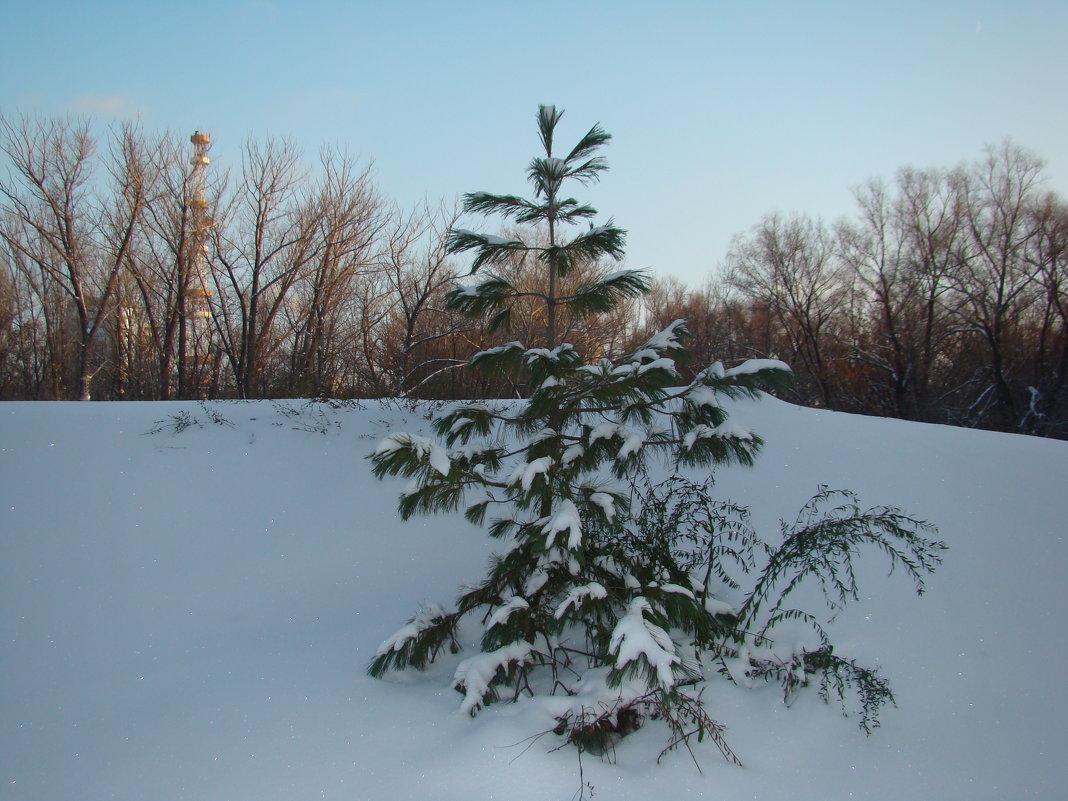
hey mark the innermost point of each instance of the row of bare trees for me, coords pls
(313, 284)
(942, 299)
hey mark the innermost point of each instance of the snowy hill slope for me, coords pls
(189, 615)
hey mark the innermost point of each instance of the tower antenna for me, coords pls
(198, 293)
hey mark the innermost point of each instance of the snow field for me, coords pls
(189, 615)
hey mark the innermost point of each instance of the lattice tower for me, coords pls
(198, 295)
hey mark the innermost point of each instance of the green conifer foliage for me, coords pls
(551, 212)
(601, 594)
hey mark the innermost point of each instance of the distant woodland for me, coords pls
(129, 270)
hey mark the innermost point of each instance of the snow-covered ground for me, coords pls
(189, 616)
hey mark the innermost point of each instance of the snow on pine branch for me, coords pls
(574, 598)
(422, 447)
(726, 430)
(668, 339)
(525, 472)
(565, 350)
(703, 396)
(755, 366)
(489, 239)
(565, 519)
(505, 610)
(606, 502)
(423, 620)
(476, 673)
(616, 275)
(678, 589)
(604, 431)
(633, 441)
(498, 351)
(635, 637)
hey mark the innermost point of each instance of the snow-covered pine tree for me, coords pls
(546, 472)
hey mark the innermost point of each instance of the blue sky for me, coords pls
(721, 111)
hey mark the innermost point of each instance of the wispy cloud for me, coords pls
(120, 104)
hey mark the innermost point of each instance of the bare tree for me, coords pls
(1047, 411)
(9, 320)
(75, 241)
(993, 277)
(348, 221)
(900, 250)
(417, 273)
(790, 266)
(263, 244)
(163, 271)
